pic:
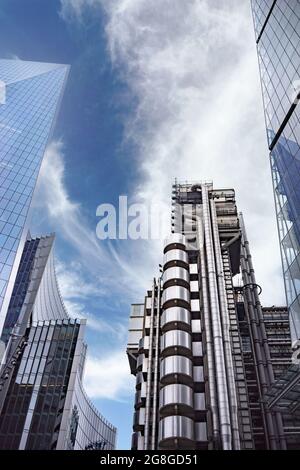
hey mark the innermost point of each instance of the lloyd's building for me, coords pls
(204, 351)
(42, 401)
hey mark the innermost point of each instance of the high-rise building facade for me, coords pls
(43, 405)
(277, 30)
(30, 94)
(199, 346)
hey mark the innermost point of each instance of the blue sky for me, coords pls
(157, 89)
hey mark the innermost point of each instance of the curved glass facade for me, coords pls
(93, 432)
(42, 401)
(277, 28)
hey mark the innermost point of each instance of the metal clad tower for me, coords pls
(198, 345)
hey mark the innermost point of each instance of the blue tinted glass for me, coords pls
(29, 99)
(277, 26)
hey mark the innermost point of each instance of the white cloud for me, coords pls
(108, 377)
(192, 69)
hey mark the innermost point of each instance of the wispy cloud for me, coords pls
(14, 57)
(73, 283)
(109, 263)
(74, 9)
(116, 331)
(52, 195)
(109, 377)
(80, 295)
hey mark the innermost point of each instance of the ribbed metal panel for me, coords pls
(199, 401)
(201, 432)
(140, 395)
(176, 272)
(175, 315)
(176, 394)
(142, 363)
(179, 428)
(198, 374)
(174, 238)
(139, 419)
(176, 365)
(176, 255)
(176, 293)
(144, 344)
(139, 379)
(176, 340)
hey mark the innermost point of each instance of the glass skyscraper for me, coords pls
(277, 29)
(30, 94)
(43, 405)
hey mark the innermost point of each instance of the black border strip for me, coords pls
(284, 123)
(266, 21)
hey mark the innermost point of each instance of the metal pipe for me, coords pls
(208, 338)
(262, 331)
(224, 409)
(149, 372)
(155, 382)
(259, 350)
(271, 441)
(260, 404)
(226, 325)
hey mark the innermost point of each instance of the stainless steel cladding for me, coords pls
(139, 379)
(142, 363)
(221, 378)
(180, 366)
(173, 239)
(175, 315)
(179, 395)
(175, 255)
(176, 341)
(176, 272)
(225, 329)
(179, 428)
(175, 293)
